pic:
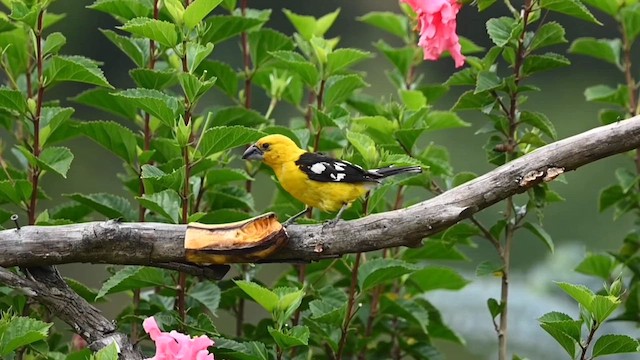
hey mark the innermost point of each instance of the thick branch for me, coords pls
(153, 243)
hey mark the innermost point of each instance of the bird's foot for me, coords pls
(330, 223)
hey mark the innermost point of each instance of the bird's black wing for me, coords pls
(322, 168)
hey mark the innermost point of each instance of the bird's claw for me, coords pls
(330, 223)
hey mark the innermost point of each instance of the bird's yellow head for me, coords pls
(273, 150)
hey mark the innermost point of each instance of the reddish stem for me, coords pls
(35, 171)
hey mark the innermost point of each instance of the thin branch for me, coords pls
(151, 243)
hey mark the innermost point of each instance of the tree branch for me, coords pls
(154, 243)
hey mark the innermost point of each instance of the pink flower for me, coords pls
(176, 346)
(437, 27)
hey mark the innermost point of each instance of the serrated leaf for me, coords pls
(296, 336)
(223, 27)
(227, 79)
(103, 99)
(539, 121)
(435, 250)
(81, 289)
(414, 100)
(600, 265)
(19, 331)
(264, 41)
(56, 159)
(222, 138)
(135, 48)
(193, 87)
(572, 8)
(630, 16)
(206, 293)
(495, 308)
(342, 59)
(406, 309)
(112, 136)
(166, 203)
(198, 10)
(563, 329)
(626, 179)
(401, 58)
(365, 146)
(390, 22)
(122, 9)
(548, 34)
(297, 64)
(486, 81)
(238, 115)
(579, 293)
(441, 120)
(501, 30)
(53, 43)
(162, 106)
(610, 7)
(153, 79)
(603, 306)
(196, 54)
(603, 49)
(12, 101)
(131, 278)
(340, 87)
(163, 32)
(378, 271)
(111, 206)
(74, 68)
(614, 344)
(483, 101)
(157, 180)
(607, 95)
(263, 296)
(308, 26)
(489, 268)
(16, 191)
(436, 277)
(539, 232)
(109, 352)
(549, 61)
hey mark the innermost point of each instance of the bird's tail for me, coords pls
(391, 171)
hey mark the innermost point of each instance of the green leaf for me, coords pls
(487, 80)
(378, 271)
(401, 58)
(434, 250)
(222, 27)
(122, 9)
(153, 79)
(342, 59)
(627, 179)
(483, 101)
(16, 191)
(53, 43)
(131, 278)
(539, 121)
(501, 30)
(18, 331)
(135, 48)
(196, 54)
(600, 265)
(166, 203)
(198, 10)
(414, 100)
(112, 136)
(436, 277)
(539, 232)
(609, 197)
(296, 63)
(264, 41)
(221, 176)
(263, 296)
(390, 22)
(12, 101)
(222, 138)
(610, 7)
(495, 308)
(572, 8)
(563, 329)
(489, 268)
(56, 159)
(579, 293)
(308, 26)
(550, 33)
(74, 68)
(163, 32)
(193, 87)
(81, 289)
(630, 16)
(549, 61)
(614, 344)
(109, 352)
(365, 146)
(485, 4)
(156, 180)
(607, 95)
(296, 336)
(603, 49)
(227, 80)
(442, 120)
(409, 310)
(340, 87)
(206, 293)
(603, 306)
(238, 115)
(162, 106)
(111, 206)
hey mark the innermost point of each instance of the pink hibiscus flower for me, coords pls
(437, 28)
(176, 346)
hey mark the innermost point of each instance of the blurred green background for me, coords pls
(575, 224)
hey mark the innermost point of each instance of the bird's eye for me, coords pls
(265, 146)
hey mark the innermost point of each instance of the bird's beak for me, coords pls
(253, 153)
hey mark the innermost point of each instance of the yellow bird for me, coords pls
(317, 180)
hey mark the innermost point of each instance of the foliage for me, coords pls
(180, 156)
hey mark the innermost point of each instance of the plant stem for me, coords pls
(585, 347)
(349, 313)
(35, 170)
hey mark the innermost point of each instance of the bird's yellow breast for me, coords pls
(326, 196)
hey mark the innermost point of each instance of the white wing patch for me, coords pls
(339, 166)
(318, 168)
(338, 177)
